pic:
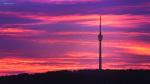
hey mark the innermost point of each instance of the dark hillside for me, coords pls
(81, 77)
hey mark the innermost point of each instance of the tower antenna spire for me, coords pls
(100, 37)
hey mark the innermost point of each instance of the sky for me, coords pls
(48, 35)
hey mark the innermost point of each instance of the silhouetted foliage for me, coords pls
(81, 77)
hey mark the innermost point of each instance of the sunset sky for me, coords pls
(47, 35)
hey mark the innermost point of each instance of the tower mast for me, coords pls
(100, 37)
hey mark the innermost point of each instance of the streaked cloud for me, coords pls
(125, 20)
(62, 34)
(57, 1)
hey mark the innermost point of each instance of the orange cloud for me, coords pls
(137, 49)
(83, 55)
(17, 32)
(133, 47)
(118, 65)
(40, 65)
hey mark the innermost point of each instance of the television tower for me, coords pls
(100, 38)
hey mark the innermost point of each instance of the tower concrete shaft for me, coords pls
(100, 38)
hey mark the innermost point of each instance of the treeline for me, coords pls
(81, 77)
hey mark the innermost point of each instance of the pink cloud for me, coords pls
(118, 21)
(93, 20)
(129, 7)
(58, 1)
(64, 41)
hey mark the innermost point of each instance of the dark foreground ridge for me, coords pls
(81, 77)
